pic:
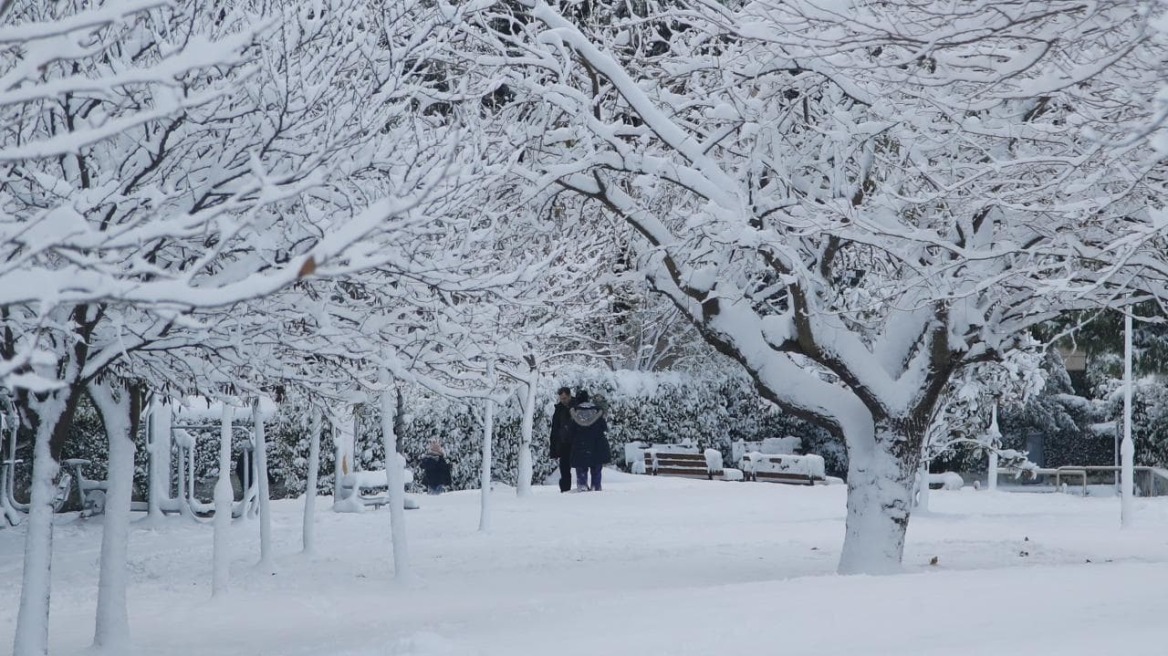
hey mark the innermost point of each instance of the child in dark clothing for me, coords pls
(435, 469)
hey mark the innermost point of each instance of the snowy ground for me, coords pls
(649, 566)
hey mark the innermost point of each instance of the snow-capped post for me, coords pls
(223, 498)
(995, 437)
(159, 451)
(118, 405)
(526, 426)
(1127, 450)
(395, 478)
(309, 534)
(261, 470)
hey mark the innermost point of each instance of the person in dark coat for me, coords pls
(590, 450)
(559, 446)
(435, 469)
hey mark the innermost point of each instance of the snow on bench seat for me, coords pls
(354, 484)
(784, 468)
(687, 464)
(635, 451)
(946, 481)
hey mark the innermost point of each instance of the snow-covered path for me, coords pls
(650, 566)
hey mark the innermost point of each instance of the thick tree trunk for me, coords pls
(880, 485)
(112, 630)
(309, 534)
(223, 499)
(32, 620)
(261, 469)
(395, 480)
(485, 475)
(523, 476)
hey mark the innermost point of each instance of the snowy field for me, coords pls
(649, 566)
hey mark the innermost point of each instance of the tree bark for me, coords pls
(32, 620)
(880, 484)
(485, 475)
(224, 496)
(261, 468)
(344, 420)
(309, 529)
(523, 476)
(395, 480)
(160, 443)
(115, 406)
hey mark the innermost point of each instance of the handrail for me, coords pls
(1158, 473)
(1082, 470)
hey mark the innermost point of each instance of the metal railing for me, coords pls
(1155, 478)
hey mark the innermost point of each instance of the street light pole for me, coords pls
(1127, 450)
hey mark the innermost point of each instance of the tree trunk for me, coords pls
(344, 420)
(395, 480)
(112, 630)
(523, 476)
(309, 535)
(485, 477)
(224, 495)
(159, 439)
(880, 484)
(261, 469)
(922, 501)
(32, 620)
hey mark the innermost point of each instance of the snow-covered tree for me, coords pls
(165, 160)
(855, 202)
(962, 416)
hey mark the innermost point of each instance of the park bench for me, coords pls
(673, 463)
(784, 468)
(358, 484)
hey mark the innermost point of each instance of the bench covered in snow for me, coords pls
(355, 484)
(688, 464)
(784, 468)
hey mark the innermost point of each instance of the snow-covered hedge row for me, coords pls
(713, 410)
(664, 407)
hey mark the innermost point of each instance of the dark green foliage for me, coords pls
(712, 410)
(1066, 425)
(1149, 421)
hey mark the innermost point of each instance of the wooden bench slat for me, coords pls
(683, 473)
(794, 477)
(681, 464)
(778, 477)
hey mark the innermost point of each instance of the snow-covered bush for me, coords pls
(710, 410)
(1149, 421)
(651, 407)
(1071, 427)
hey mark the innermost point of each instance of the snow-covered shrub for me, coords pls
(710, 410)
(1149, 421)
